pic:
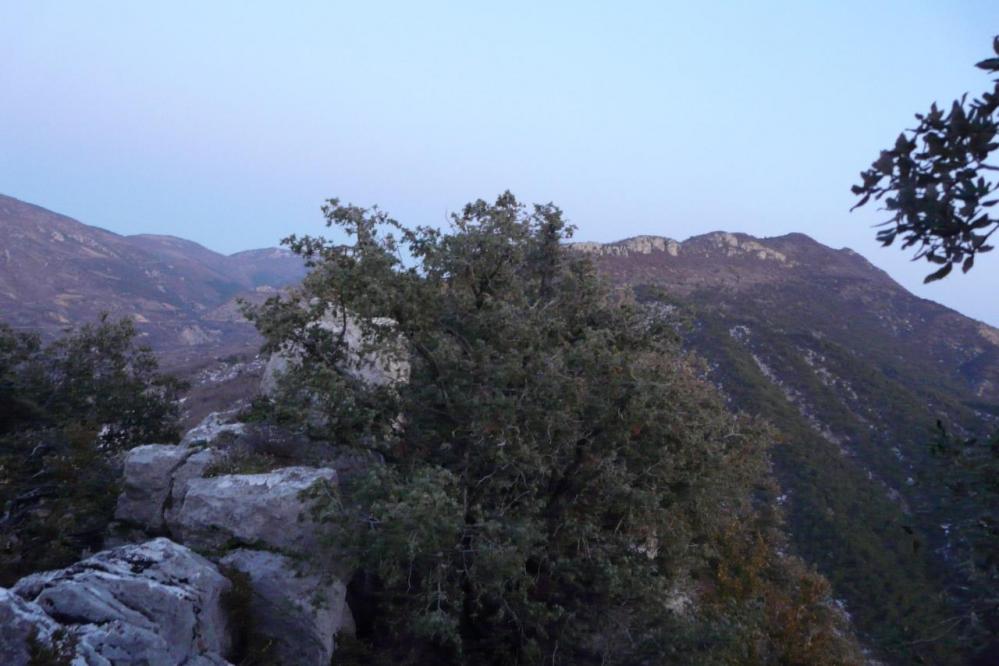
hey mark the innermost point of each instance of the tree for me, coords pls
(559, 486)
(67, 410)
(936, 182)
(971, 475)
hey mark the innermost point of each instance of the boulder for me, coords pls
(298, 614)
(148, 474)
(385, 367)
(21, 622)
(157, 477)
(250, 509)
(151, 603)
(193, 467)
(154, 474)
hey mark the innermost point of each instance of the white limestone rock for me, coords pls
(148, 474)
(387, 367)
(630, 246)
(193, 467)
(250, 509)
(212, 427)
(21, 621)
(300, 612)
(152, 603)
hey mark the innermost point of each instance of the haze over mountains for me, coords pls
(56, 272)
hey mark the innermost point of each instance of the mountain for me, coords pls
(797, 283)
(854, 372)
(56, 272)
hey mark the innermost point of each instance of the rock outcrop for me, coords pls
(159, 477)
(148, 475)
(388, 366)
(258, 524)
(152, 603)
(22, 624)
(300, 611)
(628, 246)
(213, 427)
(250, 509)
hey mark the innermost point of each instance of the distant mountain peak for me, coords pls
(737, 244)
(271, 252)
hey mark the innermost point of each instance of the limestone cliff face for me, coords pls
(629, 246)
(731, 245)
(387, 367)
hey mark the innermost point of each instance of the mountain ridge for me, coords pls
(740, 262)
(855, 373)
(57, 272)
(851, 368)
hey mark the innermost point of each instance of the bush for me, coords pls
(68, 410)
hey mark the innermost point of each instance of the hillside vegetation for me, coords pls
(67, 410)
(855, 373)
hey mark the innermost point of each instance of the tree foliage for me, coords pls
(971, 473)
(937, 184)
(559, 486)
(67, 409)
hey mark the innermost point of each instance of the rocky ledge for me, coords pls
(199, 530)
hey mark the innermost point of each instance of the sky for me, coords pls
(229, 122)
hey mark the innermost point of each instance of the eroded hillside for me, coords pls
(855, 372)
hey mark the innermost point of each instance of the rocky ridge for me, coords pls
(833, 294)
(732, 245)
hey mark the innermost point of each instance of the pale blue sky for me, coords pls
(229, 122)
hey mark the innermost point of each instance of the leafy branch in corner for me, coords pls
(937, 184)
